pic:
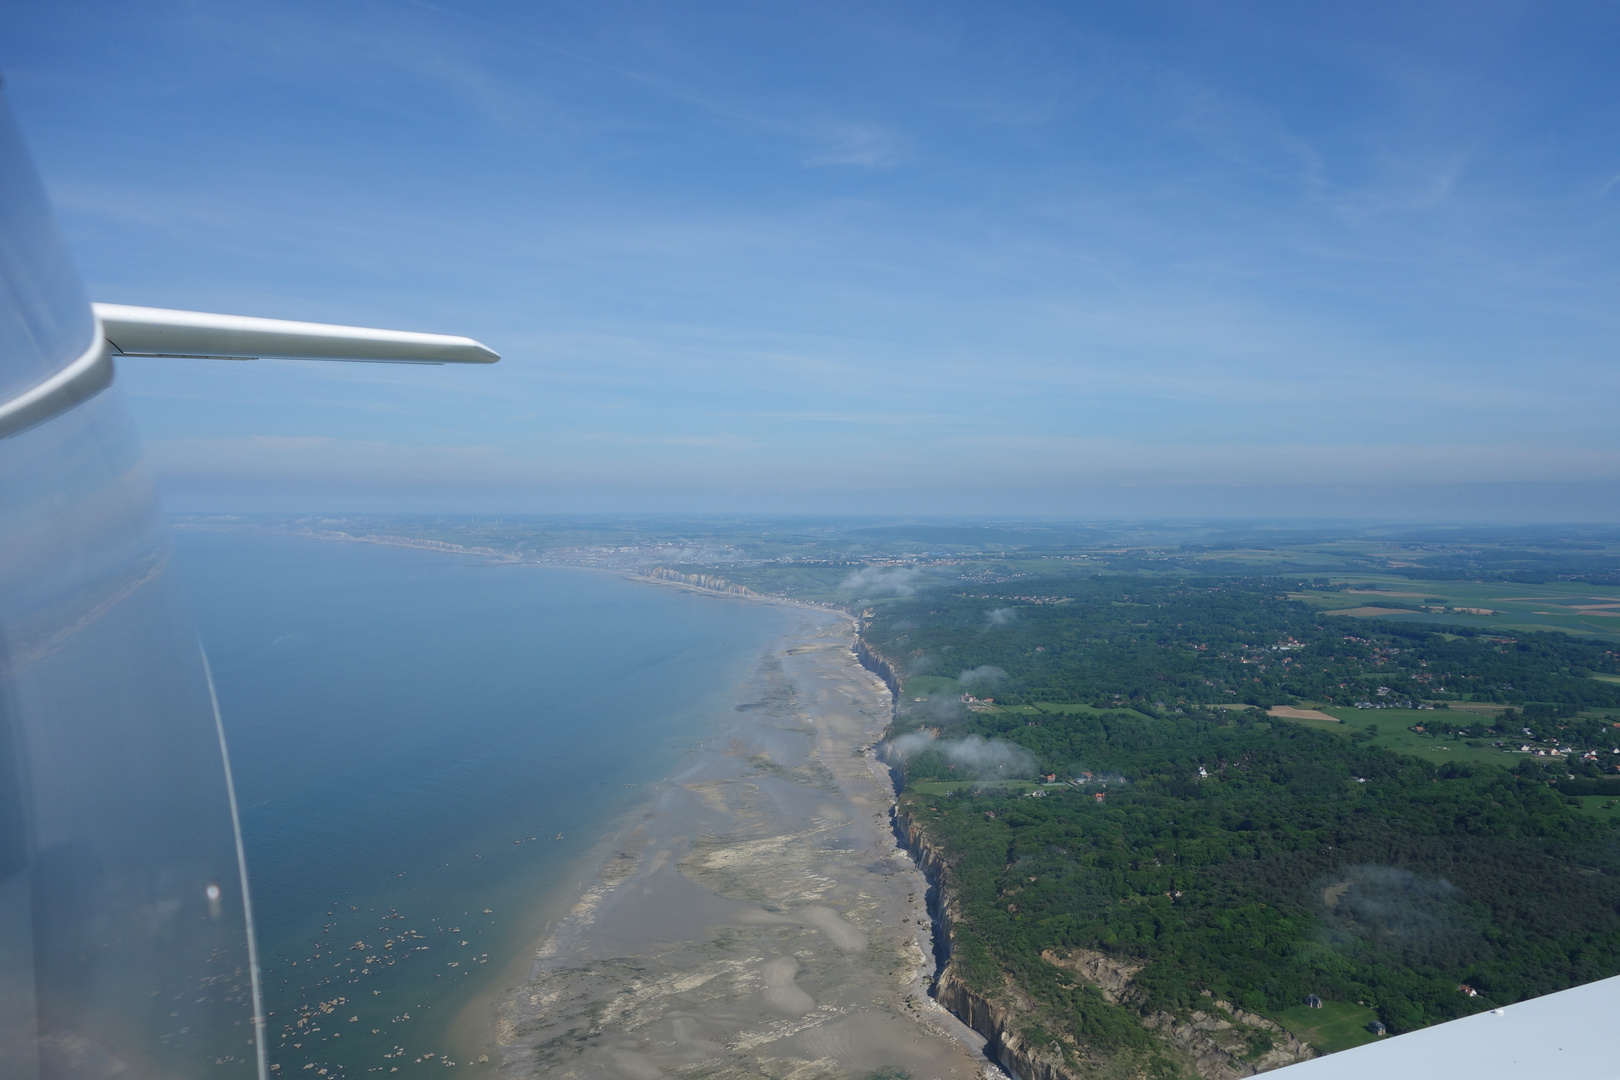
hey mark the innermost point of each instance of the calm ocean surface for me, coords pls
(410, 731)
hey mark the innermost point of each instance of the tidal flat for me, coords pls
(757, 917)
(428, 748)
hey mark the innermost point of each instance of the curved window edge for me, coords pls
(80, 380)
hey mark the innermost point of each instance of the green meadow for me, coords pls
(1002, 787)
(1336, 1026)
(1390, 729)
(1057, 709)
(922, 686)
(1600, 806)
(1574, 607)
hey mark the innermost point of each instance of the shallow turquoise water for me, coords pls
(409, 732)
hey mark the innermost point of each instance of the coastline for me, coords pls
(881, 933)
(758, 917)
(650, 576)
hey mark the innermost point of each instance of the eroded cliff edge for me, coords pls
(1210, 1043)
(879, 665)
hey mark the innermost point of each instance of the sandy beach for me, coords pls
(759, 919)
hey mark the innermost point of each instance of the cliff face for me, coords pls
(880, 666)
(990, 1018)
(1212, 1043)
(1215, 1043)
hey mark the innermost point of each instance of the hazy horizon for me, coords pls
(1485, 505)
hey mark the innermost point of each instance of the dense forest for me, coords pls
(1109, 640)
(1297, 865)
(1226, 852)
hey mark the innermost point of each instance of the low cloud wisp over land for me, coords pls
(882, 581)
(977, 755)
(984, 673)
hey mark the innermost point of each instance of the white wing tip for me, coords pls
(142, 331)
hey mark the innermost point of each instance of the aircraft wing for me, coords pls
(126, 926)
(143, 331)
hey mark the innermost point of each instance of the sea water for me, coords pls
(426, 746)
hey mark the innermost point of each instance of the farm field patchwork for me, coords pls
(1574, 607)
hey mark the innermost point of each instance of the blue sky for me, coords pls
(1117, 260)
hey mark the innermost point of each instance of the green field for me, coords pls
(941, 787)
(1393, 734)
(1335, 1026)
(1601, 806)
(1050, 708)
(1516, 608)
(919, 686)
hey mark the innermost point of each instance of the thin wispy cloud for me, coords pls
(865, 145)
